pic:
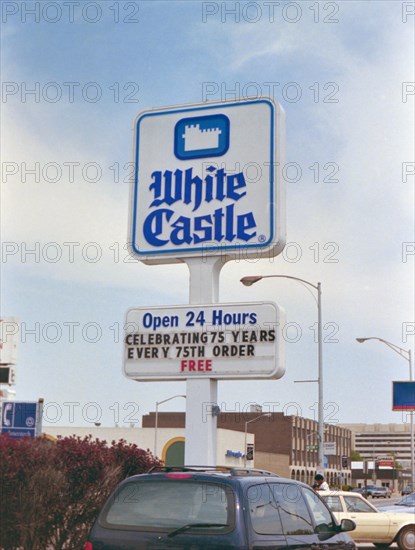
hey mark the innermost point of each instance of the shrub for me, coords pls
(51, 493)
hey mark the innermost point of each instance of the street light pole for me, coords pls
(249, 281)
(320, 384)
(157, 418)
(406, 354)
(246, 431)
(309, 450)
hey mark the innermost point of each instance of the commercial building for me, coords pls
(283, 444)
(379, 472)
(376, 441)
(170, 440)
(385, 450)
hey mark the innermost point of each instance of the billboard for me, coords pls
(403, 396)
(219, 341)
(208, 182)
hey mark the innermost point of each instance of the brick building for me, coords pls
(284, 444)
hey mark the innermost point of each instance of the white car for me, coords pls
(379, 528)
(406, 505)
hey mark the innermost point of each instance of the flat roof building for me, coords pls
(375, 441)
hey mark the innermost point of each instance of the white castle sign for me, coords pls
(208, 182)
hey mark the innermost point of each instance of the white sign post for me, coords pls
(207, 189)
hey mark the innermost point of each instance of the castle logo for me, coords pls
(196, 139)
(203, 136)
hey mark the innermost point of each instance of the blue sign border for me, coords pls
(178, 252)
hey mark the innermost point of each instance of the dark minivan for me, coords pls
(192, 508)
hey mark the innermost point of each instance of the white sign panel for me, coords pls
(330, 448)
(208, 182)
(228, 341)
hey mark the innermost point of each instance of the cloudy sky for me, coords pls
(76, 75)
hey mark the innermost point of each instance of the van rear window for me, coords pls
(169, 504)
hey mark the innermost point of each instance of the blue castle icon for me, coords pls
(202, 136)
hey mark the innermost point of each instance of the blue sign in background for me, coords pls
(20, 419)
(403, 396)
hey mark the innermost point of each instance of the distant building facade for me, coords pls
(376, 444)
(170, 440)
(379, 473)
(376, 441)
(287, 445)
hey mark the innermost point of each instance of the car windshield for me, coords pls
(167, 504)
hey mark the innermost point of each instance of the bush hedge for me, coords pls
(52, 492)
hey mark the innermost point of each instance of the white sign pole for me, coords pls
(201, 394)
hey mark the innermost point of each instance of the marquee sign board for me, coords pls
(208, 182)
(219, 341)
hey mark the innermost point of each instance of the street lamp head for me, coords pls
(361, 340)
(250, 280)
(257, 418)
(169, 399)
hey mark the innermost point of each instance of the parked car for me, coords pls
(374, 491)
(405, 505)
(365, 491)
(372, 525)
(406, 490)
(380, 492)
(217, 508)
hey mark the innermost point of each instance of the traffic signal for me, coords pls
(345, 462)
(250, 451)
